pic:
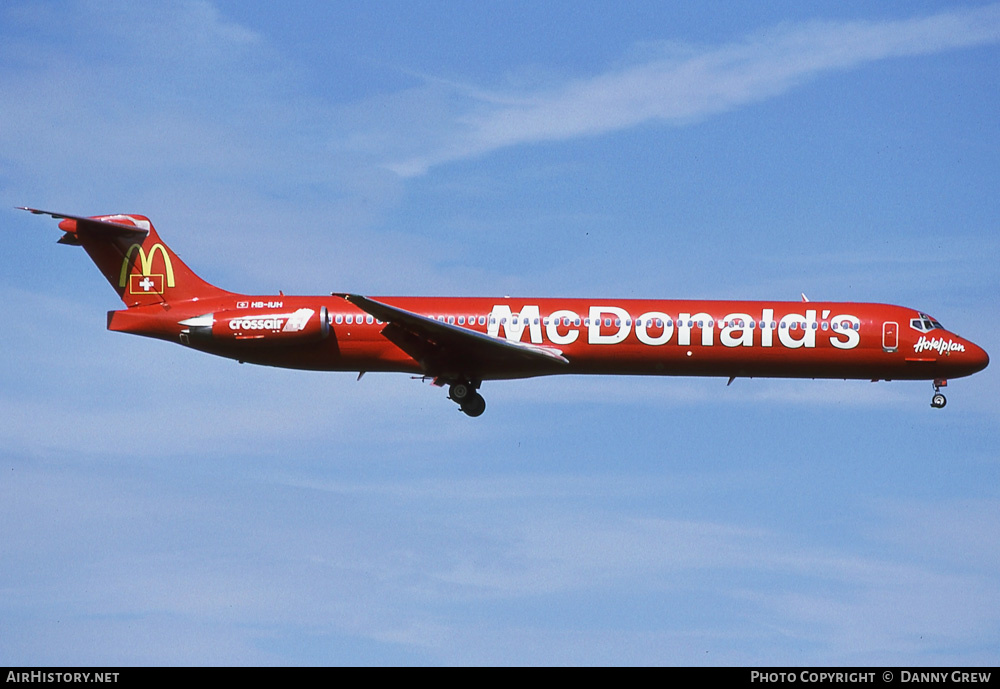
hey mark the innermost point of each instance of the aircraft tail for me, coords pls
(128, 251)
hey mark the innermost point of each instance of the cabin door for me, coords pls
(890, 336)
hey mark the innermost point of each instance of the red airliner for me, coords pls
(461, 342)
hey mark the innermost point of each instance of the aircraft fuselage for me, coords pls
(606, 336)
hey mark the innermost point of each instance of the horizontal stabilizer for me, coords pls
(108, 226)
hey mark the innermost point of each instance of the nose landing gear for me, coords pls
(938, 400)
(469, 401)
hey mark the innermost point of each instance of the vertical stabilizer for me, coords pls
(128, 251)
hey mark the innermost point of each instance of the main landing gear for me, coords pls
(939, 400)
(469, 401)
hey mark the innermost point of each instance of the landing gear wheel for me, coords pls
(460, 392)
(938, 400)
(474, 405)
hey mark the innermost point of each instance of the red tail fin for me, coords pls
(139, 266)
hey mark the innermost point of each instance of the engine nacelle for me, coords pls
(261, 328)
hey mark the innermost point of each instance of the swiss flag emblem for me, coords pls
(145, 284)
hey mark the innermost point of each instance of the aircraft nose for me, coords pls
(960, 357)
(977, 356)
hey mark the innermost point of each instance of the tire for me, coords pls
(459, 392)
(938, 401)
(475, 405)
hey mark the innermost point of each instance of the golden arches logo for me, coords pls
(146, 281)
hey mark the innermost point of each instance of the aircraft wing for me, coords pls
(445, 350)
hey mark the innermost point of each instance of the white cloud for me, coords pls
(702, 82)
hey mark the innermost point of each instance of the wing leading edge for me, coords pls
(452, 352)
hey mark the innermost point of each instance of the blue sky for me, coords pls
(158, 506)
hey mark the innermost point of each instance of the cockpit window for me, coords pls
(924, 323)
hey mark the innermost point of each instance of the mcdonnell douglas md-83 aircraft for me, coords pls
(461, 342)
